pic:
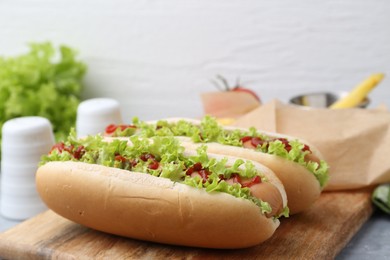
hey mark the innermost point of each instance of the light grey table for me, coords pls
(372, 241)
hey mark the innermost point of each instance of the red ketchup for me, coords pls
(79, 152)
(154, 164)
(284, 141)
(120, 158)
(60, 147)
(246, 183)
(194, 168)
(76, 153)
(197, 167)
(255, 141)
(288, 146)
(146, 156)
(254, 181)
(112, 128)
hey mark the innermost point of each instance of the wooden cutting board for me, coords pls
(319, 233)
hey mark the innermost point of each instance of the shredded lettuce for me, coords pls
(297, 155)
(210, 131)
(169, 154)
(285, 212)
(214, 184)
(127, 132)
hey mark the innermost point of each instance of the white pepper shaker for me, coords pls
(24, 141)
(94, 115)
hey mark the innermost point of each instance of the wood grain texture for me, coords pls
(319, 233)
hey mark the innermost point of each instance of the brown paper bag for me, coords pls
(355, 142)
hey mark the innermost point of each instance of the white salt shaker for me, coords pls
(94, 115)
(24, 141)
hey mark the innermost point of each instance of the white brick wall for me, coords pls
(164, 53)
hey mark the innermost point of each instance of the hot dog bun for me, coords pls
(301, 186)
(141, 206)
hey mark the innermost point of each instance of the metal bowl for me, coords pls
(322, 99)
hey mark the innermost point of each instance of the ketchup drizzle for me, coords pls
(255, 180)
(154, 164)
(76, 153)
(113, 127)
(120, 158)
(132, 162)
(197, 167)
(80, 151)
(146, 156)
(246, 138)
(257, 141)
(237, 179)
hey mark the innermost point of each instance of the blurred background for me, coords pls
(156, 57)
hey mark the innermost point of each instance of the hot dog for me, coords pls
(299, 165)
(156, 190)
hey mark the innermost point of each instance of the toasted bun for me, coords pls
(267, 172)
(278, 199)
(145, 207)
(301, 186)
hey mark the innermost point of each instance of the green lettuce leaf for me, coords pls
(381, 197)
(43, 82)
(210, 131)
(215, 185)
(169, 154)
